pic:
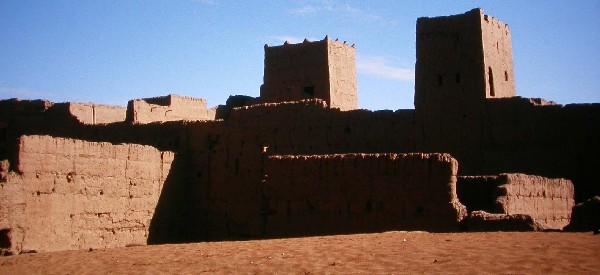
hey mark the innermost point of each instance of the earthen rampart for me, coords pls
(71, 194)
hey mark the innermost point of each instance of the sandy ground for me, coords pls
(384, 253)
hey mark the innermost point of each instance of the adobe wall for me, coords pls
(533, 137)
(72, 194)
(228, 155)
(333, 194)
(342, 74)
(88, 113)
(548, 201)
(168, 108)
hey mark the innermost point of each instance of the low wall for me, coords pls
(88, 113)
(548, 201)
(324, 194)
(168, 108)
(72, 194)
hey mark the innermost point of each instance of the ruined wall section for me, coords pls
(92, 114)
(168, 108)
(72, 194)
(498, 58)
(548, 201)
(333, 194)
(342, 74)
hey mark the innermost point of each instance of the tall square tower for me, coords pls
(462, 60)
(323, 69)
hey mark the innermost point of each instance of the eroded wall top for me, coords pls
(168, 108)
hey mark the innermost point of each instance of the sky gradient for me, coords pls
(111, 51)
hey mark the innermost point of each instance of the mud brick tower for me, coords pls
(462, 61)
(321, 69)
(462, 58)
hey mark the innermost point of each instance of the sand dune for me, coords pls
(384, 253)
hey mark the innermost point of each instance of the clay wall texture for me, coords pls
(168, 108)
(309, 195)
(322, 69)
(72, 194)
(88, 113)
(547, 201)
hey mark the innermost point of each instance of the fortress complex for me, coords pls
(301, 159)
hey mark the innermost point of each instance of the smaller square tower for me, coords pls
(323, 69)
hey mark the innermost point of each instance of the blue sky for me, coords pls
(112, 51)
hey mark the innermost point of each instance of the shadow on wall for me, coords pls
(175, 219)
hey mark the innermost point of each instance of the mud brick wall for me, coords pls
(72, 194)
(345, 193)
(533, 137)
(228, 159)
(168, 108)
(88, 113)
(548, 201)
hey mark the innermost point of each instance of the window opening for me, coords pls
(505, 76)
(457, 78)
(491, 82)
(440, 80)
